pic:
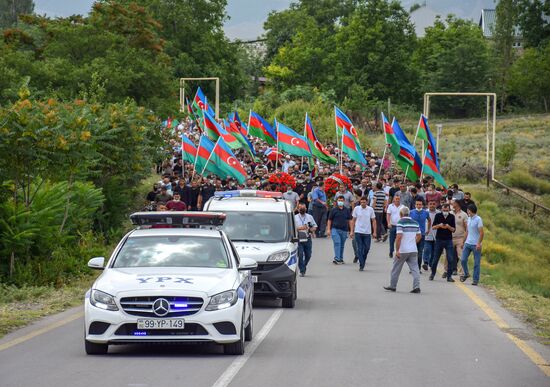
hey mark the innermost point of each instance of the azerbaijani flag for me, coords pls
(215, 130)
(200, 103)
(225, 160)
(241, 125)
(317, 149)
(343, 121)
(391, 139)
(351, 148)
(202, 161)
(258, 127)
(431, 162)
(291, 142)
(232, 127)
(414, 171)
(188, 149)
(406, 150)
(273, 154)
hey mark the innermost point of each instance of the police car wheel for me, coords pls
(238, 347)
(290, 301)
(249, 330)
(95, 349)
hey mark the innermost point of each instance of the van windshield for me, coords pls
(268, 227)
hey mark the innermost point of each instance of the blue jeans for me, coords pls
(304, 254)
(468, 248)
(393, 230)
(420, 248)
(363, 247)
(447, 245)
(428, 254)
(338, 240)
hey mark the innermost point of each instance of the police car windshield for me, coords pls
(172, 251)
(267, 227)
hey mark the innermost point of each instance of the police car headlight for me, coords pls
(223, 300)
(102, 300)
(279, 256)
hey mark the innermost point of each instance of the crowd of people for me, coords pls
(419, 221)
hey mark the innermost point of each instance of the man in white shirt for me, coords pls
(306, 225)
(408, 235)
(288, 163)
(392, 214)
(362, 226)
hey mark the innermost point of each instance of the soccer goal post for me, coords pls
(490, 141)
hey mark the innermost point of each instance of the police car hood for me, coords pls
(260, 251)
(125, 281)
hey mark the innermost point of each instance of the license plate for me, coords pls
(254, 278)
(167, 323)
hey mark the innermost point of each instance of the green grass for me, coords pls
(21, 306)
(516, 260)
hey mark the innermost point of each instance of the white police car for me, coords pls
(176, 278)
(261, 225)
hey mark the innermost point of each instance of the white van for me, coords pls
(261, 226)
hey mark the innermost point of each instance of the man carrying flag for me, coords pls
(317, 149)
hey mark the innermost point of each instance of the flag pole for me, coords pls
(248, 126)
(182, 160)
(196, 156)
(414, 146)
(340, 151)
(213, 149)
(302, 163)
(277, 154)
(383, 155)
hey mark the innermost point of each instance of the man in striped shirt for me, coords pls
(379, 204)
(408, 235)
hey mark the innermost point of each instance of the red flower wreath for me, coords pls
(282, 180)
(332, 183)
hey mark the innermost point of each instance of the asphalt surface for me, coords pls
(345, 331)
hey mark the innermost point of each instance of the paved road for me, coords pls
(345, 331)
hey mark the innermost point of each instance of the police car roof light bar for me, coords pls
(249, 193)
(178, 219)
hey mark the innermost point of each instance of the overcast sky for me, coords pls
(247, 16)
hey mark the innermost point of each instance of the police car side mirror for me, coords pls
(248, 264)
(96, 263)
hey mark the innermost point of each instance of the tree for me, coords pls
(530, 76)
(534, 28)
(11, 9)
(453, 56)
(504, 35)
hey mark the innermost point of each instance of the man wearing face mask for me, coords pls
(338, 226)
(306, 226)
(444, 224)
(291, 196)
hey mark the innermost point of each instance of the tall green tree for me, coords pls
(530, 77)
(535, 29)
(11, 9)
(504, 36)
(453, 56)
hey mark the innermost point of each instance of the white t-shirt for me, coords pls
(363, 218)
(393, 212)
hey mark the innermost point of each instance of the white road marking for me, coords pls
(239, 362)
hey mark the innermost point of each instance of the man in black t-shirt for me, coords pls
(338, 226)
(444, 224)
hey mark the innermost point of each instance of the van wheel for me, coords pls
(95, 348)
(290, 301)
(249, 330)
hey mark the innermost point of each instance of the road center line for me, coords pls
(532, 354)
(41, 331)
(239, 362)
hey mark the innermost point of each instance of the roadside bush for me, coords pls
(526, 181)
(506, 153)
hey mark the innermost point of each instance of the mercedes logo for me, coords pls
(161, 307)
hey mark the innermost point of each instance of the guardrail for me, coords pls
(510, 189)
